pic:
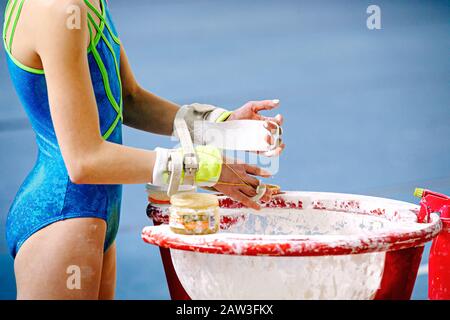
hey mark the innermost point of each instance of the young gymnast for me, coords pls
(77, 88)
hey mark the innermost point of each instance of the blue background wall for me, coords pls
(366, 111)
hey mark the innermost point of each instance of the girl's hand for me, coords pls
(237, 180)
(250, 111)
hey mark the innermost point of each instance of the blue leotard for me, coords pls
(47, 195)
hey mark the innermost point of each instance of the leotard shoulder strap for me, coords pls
(117, 105)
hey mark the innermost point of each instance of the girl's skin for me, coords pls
(43, 41)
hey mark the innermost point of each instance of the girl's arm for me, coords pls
(88, 158)
(141, 109)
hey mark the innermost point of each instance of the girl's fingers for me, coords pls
(256, 171)
(264, 105)
(279, 119)
(269, 139)
(273, 153)
(272, 129)
(267, 195)
(252, 181)
(269, 122)
(248, 191)
(278, 150)
(246, 201)
(269, 125)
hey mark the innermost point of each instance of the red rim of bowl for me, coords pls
(299, 245)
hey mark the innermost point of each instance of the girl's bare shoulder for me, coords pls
(56, 9)
(59, 20)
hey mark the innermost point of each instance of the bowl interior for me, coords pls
(272, 221)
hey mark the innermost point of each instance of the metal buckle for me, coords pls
(190, 165)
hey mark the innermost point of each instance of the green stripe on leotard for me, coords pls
(5, 42)
(103, 19)
(116, 62)
(19, 10)
(8, 20)
(107, 86)
(98, 36)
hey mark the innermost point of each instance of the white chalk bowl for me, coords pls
(357, 230)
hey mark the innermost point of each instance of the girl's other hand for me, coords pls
(250, 111)
(237, 180)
